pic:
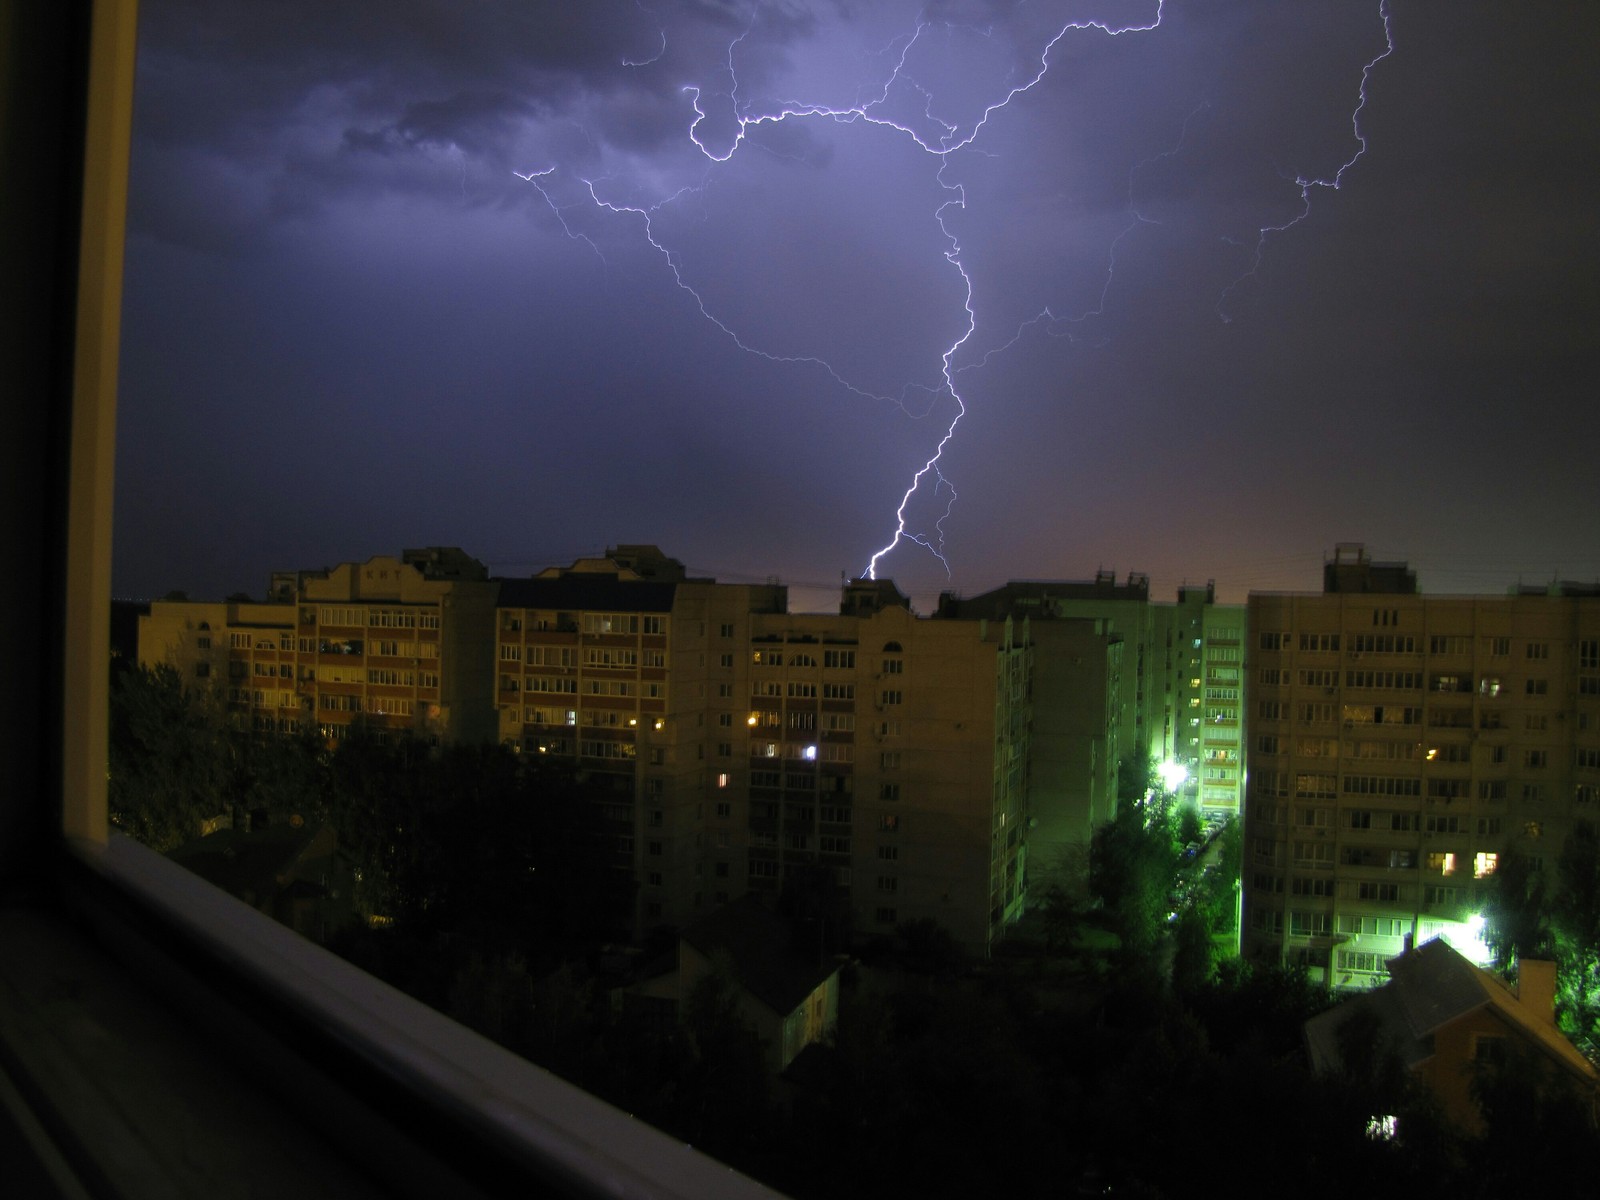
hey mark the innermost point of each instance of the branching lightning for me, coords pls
(941, 140)
(1136, 219)
(1307, 182)
(555, 208)
(656, 57)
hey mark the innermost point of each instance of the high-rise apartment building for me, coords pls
(401, 644)
(1205, 647)
(624, 666)
(870, 753)
(892, 751)
(1125, 615)
(1401, 744)
(1082, 715)
(1120, 678)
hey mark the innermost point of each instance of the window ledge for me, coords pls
(422, 1104)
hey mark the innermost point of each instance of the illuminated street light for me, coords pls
(1466, 938)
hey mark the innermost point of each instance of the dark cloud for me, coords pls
(472, 120)
(431, 264)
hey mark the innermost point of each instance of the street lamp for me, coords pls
(1172, 775)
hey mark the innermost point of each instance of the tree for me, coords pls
(273, 775)
(1216, 893)
(474, 846)
(1061, 917)
(724, 1102)
(179, 765)
(168, 757)
(1265, 1004)
(1577, 905)
(1526, 1102)
(1132, 868)
(1136, 779)
(1517, 913)
(1530, 916)
(1195, 953)
(1190, 826)
(1575, 923)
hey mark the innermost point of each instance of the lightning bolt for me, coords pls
(940, 140)
(656, 57)
(555, 208)
(1306, 183)
(1136, 219)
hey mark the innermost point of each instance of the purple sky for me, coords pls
(352, 325)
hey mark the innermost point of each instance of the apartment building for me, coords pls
(1125, 613)
(402, 644)
(871, 754)
(893, 752)
(1118, 677)
(626, 667)
(1401, 744)
(1081, 714)
(1205, 646)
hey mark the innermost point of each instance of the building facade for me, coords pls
(1125, 613)
(1121, 678)
(400, 644)
(870, 755)
(1205, 646)
(1400, 745)
(877, 760)
(624, 667)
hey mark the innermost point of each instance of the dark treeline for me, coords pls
(1055, 1069)
(456, 853)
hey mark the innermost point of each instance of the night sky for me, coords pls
(353, 325)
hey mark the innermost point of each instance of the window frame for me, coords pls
(473, 1106)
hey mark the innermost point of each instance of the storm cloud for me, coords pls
(532, 278)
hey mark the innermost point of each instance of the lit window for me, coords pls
(1484, 864)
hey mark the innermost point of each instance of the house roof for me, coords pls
(1434, 985)
(759, 945)
(1430, 987)
(1322, 1031)
(259, 862)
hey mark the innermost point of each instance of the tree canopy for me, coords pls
(1532, 915)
